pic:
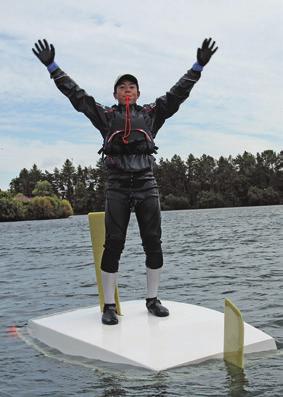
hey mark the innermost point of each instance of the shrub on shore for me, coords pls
(21, 207)
(11, 209)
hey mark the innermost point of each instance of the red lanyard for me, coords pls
(127, 122)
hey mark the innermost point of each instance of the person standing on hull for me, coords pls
(128, 132)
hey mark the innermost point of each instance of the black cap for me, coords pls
(124, 77)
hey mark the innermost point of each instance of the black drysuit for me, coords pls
(131, 183)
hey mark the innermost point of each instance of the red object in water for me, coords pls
(12, 330)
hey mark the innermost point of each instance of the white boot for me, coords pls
(152, 278)
(109, 281)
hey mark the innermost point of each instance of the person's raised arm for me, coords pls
(168, 104)
(80, 100)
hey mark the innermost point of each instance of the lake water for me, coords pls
(47, 267)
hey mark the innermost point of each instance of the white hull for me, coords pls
(190, 334)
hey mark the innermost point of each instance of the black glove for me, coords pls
(45, 54)
(205, 52)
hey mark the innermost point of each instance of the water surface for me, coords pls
(46, 267)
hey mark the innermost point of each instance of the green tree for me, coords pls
(35, 175)
(193, 183)
(67, 177)
(204, 172)
(171, 176)
(210, 200)
(26, 181)
(21, 184)
(4, 194)
(81, 175)
(50, 177)
(225, 181)
(99, 176)
(57, 184)
(265, 169)
(246, 168)
(266, 196)
(43, 188)
(270, 196)
(172, 202)
(80, 198)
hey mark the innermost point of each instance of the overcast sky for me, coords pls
(236, 105)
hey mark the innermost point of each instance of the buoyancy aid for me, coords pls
(128, 133)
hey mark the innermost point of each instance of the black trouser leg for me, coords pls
(117, 216)
(149, 221)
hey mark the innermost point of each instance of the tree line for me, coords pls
(196, 182)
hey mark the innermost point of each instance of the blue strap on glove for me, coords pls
(197, 67)
(52, 67)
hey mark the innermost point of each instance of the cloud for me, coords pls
(45, 156)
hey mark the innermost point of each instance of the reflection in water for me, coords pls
(112, 386)
(159, 386)
(237, 380)
(149, 385)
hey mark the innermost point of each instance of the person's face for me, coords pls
(124, 89)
